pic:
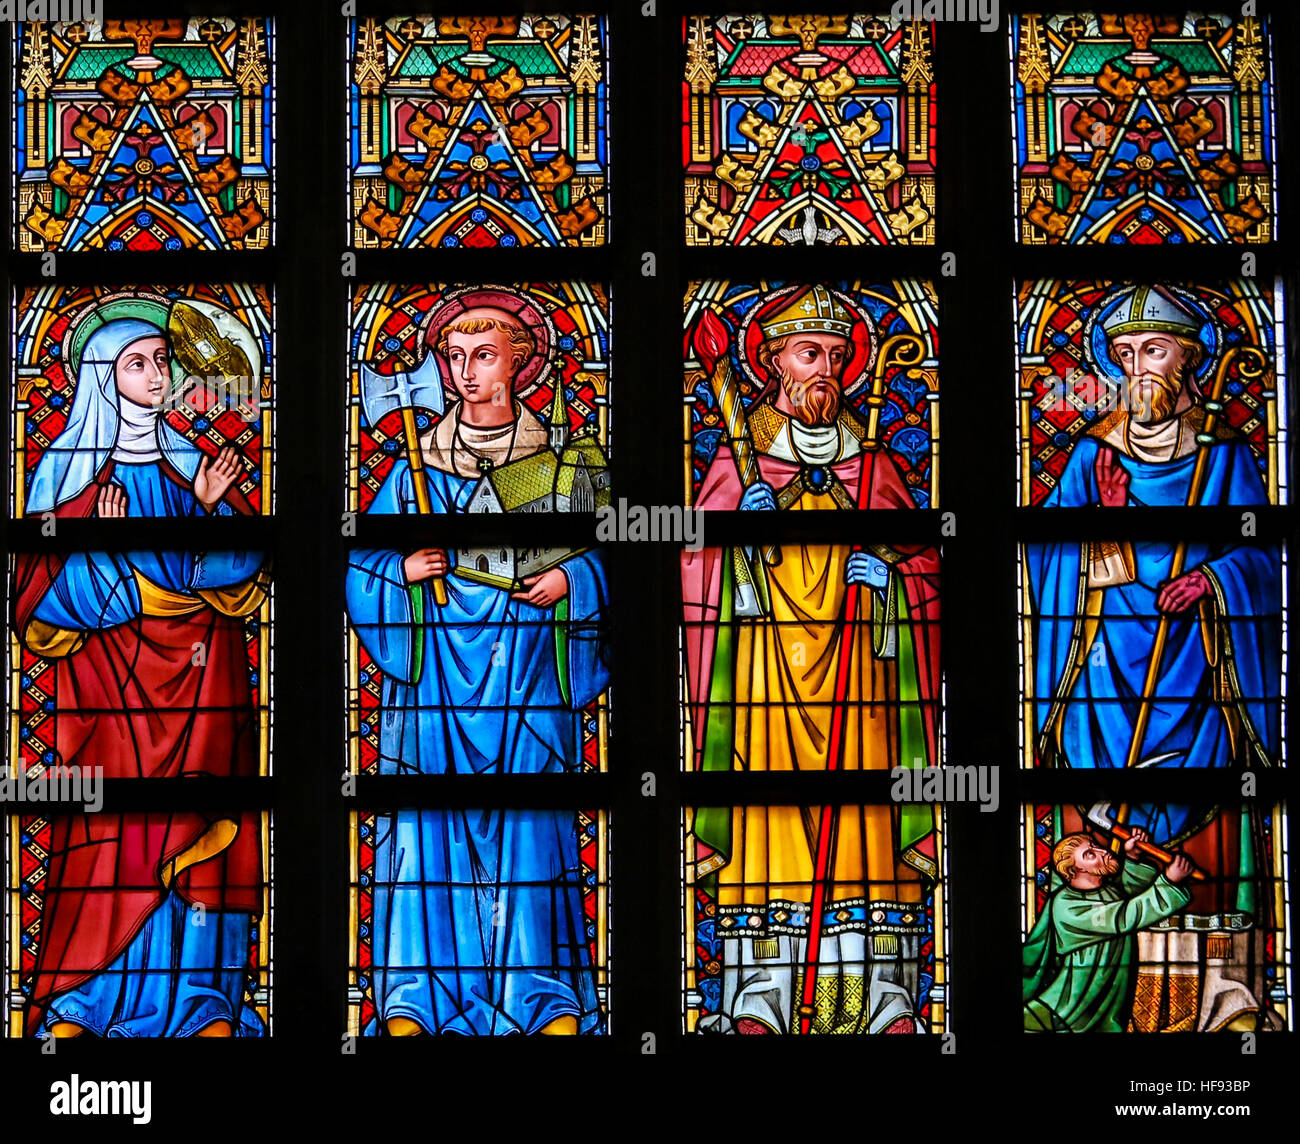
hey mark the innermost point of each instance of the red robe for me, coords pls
(131, 701)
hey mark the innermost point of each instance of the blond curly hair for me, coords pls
(522, 342)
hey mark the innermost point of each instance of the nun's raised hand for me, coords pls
(112, 501)
(215, 476)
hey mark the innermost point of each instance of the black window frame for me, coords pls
(992, 1060)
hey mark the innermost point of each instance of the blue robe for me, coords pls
(175, 977)
(150, 492)
(1092, 724)
(173, 980)
(478, 920)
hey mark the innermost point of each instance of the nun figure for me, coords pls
(147, 918)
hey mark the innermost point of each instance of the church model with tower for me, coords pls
(571, 475)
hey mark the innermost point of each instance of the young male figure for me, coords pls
(1080, 962)
(479, 926)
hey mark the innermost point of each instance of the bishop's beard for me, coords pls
(1159, 405)
(815, 401)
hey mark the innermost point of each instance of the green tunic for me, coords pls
(1079, 962)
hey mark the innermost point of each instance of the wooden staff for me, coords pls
(711, 339)
(901, 349)
(1204, 441)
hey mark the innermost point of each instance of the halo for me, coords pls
(862, 336)
(1095, 339)
(527, 309)
(151, 308)
(194, 346)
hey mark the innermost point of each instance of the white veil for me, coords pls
(77, 455)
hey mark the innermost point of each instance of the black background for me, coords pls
(714, 1086)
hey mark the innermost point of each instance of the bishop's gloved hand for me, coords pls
(863, 568)
(760, 496)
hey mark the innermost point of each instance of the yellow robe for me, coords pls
(786, 668)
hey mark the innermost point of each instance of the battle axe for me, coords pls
(383, 393)
(1099, 815)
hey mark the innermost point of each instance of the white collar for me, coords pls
(812, 445)
(137, 433)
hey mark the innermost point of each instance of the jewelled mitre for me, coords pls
(814, 311)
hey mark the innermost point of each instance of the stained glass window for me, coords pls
(1165, 654)
(757, 619)
(812, 659)
(808, 130)
(1075, 389)
(827, 392)
(1178, 926)
(141, 487)
(102, 656)
(492, 680)
(1143, 129)
(814, 920)
(506, 675)
(486, 657)
(142, 665)
(144, 135)
(479, 131)
(477, 661)
(480, 922)
(189, 373)
(199, 964)
(371, 672)
(504, 387)
(1153, 644)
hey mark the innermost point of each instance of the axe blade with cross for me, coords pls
(385, 393)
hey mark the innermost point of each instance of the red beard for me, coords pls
(815, 401)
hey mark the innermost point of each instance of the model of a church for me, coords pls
(571, 475)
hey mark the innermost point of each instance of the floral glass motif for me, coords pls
(144, 135)
(492, 923)
(1119, 938)
(806, 130)
(479, 131)
(212, 409)
(1143, 129)
(1072, 388)
(880, 950)
(886, 414)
